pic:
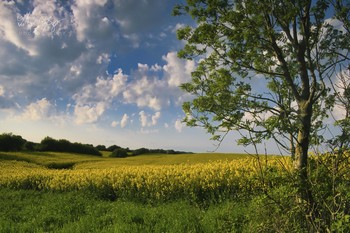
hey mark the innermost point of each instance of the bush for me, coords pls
(113, 148)
(119, 153)
(101, 147)
(10, 142)
(31, 146)
(62, 145)
(140, 151)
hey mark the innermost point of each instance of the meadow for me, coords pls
(65, 192)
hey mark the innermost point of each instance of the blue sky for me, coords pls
(96, 71)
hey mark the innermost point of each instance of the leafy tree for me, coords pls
(113, 148)
(63, 145)
(119, 153)
(101, 147)
(141, 151)
(287, 48)
(341, 88)
(10, 142)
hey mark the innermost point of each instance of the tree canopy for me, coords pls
(264, 70)
(290, 48)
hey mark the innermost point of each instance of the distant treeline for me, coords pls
(11, 142)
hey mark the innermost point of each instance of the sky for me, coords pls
(98, 72)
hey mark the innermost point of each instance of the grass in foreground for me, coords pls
(39, 211)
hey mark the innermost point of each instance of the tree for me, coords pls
(101, 147)
(11, 142)
(113, 148)
(288, 47)
(341, 88)
(119, 153)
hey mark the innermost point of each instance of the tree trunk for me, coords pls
(301, 163)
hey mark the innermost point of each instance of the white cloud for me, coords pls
(143, 118)
(177, 70)
(124, 120)
(93, 99)
(67, 61)
(9, 30)
(178, 125)
(155, 118)
(89, 114)
(103, 58)
(2, 90)
(156, 90)
(114, 124)
(143, 92)
(145, 121)
(41, 109)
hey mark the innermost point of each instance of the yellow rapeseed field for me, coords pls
(216, 178)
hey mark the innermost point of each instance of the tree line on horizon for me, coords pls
(11, 142)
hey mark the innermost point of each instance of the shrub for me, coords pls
(31, 146)
(140, 151)
(101, 147)
(62, 145)
(119, 153)
(113, 148)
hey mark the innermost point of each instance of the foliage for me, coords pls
(264, 189)
(198, 182)
(62, 145)
(140, 151)
(10, 142)
(101, 148)
(288, 48)
(143, 150)
(262, 71)
(32, 211)
(113, 148)
(119, 153)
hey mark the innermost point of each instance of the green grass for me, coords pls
(69, 160)
(38, 211)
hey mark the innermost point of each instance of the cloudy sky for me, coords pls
(96, 71)
(99, 72)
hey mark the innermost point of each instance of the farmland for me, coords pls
(64, 192)
(146, 178)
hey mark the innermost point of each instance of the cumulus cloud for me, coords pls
(38, 110)
(177, 71)
(89, 114)
(156, 87)
(144, 119)
(155, 118)
(178, 125)
(114, 124)
(124, 120)
(93, 99)
(65, 49)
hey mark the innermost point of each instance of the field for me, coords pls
(62, 192)
(65, 192)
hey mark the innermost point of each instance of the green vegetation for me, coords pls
(11, 142)
(63, 192)
(34, 211)
(62, 145)
(88, 161)
(272, 71)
